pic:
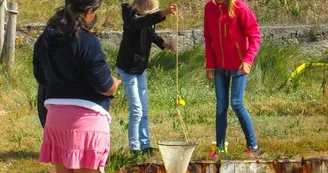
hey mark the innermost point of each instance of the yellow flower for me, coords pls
(19, 40)
(180, 101)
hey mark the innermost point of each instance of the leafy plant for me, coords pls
(121, 161)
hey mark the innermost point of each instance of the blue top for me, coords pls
(72, 67)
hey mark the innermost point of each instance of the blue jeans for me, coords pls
(238, 85)
(135, 88)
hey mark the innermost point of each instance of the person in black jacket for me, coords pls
(139, 19)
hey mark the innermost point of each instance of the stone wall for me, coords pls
(301, 34)
(189, 38)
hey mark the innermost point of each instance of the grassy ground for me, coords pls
(191, 12)
(289, 116)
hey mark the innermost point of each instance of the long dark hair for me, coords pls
(69, 19)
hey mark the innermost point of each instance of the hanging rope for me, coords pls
(324, 83)
(179, 100)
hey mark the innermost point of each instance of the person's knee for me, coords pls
(237, 105)
(135, 118)
(221, 107)
(135, 108)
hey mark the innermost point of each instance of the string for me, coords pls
(178, 98)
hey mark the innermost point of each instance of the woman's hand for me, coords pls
(172, 9)
(245, 68)
(210, 74)
(169, 46)
(114, 87)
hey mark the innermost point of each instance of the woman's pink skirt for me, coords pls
(76, 137)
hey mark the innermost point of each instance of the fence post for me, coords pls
(2, 26)
(11, 35)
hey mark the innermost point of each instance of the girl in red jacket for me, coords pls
(232, 40)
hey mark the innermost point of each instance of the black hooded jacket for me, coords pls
(138, 35)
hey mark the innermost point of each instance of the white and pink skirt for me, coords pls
(76, 137)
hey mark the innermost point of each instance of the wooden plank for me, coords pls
(11, 36)
(2, 25)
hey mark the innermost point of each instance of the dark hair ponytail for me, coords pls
(69, 19)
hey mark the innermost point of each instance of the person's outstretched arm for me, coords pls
(144, 21)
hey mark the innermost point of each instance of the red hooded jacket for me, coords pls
(230, 41)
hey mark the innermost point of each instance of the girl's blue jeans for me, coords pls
(135, 88)
(223, 79)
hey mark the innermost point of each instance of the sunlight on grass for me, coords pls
(290, 120)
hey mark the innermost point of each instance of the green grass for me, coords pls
(268, 12)
(289, 117)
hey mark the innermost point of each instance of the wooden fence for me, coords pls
(8, 35)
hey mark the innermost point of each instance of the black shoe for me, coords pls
(149, 151)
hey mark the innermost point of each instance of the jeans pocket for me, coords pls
(121, 74)
(235, 73)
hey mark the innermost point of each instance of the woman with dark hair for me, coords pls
(41, 97)
(69, 62)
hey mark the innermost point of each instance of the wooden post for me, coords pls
(11, 35)
(2, 26)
